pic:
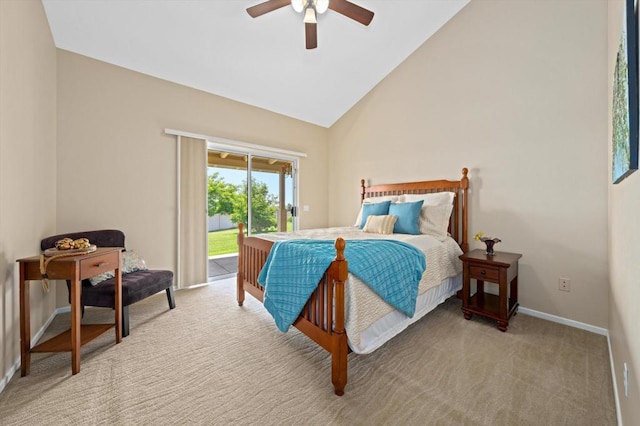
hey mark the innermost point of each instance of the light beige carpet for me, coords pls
(211, 362)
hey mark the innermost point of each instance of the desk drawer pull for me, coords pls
(483, 272)
(101, 264)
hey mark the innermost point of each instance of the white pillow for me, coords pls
(392, 198)
(434, 220)
(380, 224)
(433, 198)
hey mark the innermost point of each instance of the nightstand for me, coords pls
(501, 269)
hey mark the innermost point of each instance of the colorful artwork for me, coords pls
(625, 99)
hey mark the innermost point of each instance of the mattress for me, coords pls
(369, 320)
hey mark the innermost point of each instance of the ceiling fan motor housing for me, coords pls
(311, 8)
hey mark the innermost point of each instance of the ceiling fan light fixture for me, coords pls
(310, 10)
(322, 6)
(297, 5)
(310, 16)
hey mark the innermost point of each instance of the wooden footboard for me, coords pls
(322, 318)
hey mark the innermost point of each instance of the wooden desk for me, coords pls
(74, 269)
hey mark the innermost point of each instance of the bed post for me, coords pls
(464, 185)
(362, 190)
(340, 349)
(240, 274)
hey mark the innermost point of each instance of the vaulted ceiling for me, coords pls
(216, 47)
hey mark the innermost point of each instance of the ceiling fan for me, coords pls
(311, 9)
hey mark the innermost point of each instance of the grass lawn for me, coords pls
(226, 241)
(223, 242)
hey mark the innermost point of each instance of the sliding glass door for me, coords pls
(271, 195)
(250, 188)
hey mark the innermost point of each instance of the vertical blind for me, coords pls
(193, 212)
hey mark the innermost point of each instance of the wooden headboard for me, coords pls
(458, 224)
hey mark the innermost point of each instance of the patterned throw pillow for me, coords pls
(131, 262)
(380, 224)
(97, 279)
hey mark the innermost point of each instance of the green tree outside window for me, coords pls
(223, 196)
(264, 207)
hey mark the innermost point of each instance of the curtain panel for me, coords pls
(192, 212)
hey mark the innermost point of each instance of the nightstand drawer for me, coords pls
(482, 273)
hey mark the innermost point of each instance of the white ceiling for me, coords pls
(215, 46)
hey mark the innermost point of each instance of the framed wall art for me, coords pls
(625, 97)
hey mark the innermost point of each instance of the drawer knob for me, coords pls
(98, 265)
(483, 272)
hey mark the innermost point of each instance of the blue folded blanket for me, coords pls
(392, 269)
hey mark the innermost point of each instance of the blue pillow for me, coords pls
(408, 217)
(376, 209)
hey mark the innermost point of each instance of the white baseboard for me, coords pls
(16, 365)
(615, 384)
(12, 370)
(565, 321)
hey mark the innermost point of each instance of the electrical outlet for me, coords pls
(626, 380)
(564, 284)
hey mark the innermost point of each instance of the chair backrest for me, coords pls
(101, 238)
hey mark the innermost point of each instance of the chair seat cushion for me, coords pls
(135, 286)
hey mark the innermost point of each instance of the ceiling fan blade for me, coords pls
(311, 35)
(266, 7)
(352, 11)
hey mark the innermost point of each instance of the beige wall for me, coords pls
(117, 169)
(516, 92)
(27, 162)
(624, 252)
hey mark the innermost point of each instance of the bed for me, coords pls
(342, 315)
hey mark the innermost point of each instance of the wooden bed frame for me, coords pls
(318, 320)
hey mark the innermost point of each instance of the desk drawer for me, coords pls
(484, 274)
(99, 264)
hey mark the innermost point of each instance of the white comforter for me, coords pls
(364, 307)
